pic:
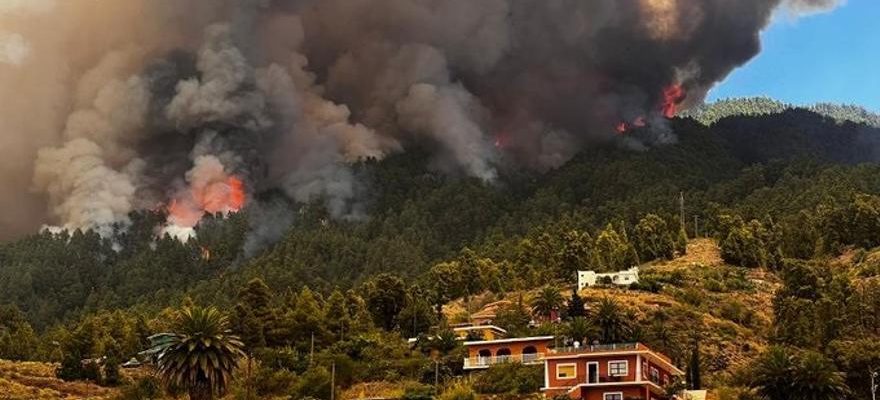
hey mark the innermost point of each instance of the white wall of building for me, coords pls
(620, 278)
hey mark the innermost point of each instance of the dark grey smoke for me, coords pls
(268, 220)
(165, 102)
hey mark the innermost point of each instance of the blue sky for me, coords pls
(831, 57)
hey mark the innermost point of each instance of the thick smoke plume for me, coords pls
(195, 106)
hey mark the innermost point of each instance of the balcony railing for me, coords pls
(597, 348)
(485, 362)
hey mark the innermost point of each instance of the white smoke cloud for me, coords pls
(84, 192)
(445, 114)
(312, 160)
(25, 6)
(812, 6)
(215, 95)
(181, 233)
(90, 178)
(14, 50)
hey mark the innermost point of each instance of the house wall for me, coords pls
(586, 278)
(599, 393)
(486, 333)
(591, 278)
(516, 348)
(665, 376)
(490, 334)
(582, 369)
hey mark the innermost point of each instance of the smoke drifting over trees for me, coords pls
(195, 105)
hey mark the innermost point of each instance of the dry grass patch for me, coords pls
(33, 380)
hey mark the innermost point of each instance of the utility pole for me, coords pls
(312, 350)
(681, 210)
(874, 384)
(333, 381)
(437, 376)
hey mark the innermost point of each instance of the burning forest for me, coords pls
(196, 106)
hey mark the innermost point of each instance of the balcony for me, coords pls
(486, 362)
(600, 348)
(608, 348)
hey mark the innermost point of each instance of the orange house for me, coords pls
(484, 353)
(608, 372)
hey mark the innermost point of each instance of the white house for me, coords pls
(620, 278)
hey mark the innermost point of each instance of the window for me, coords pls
(566, 371)
(613, 396)
(618, 368)
(655, 375)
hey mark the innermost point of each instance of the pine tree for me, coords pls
(694, 371)
(681, 241)
(338, 318)
(575, 306)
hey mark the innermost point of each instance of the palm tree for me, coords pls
(580, 329)
(200, 356)
(818, 379)
(610, 320)
(548, 299)
(772, 374)
(781, 374)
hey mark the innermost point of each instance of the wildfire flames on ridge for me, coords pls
(673, 96)
(200, 105)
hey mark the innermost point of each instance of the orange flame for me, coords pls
(624, 127)
(673, 95)
(219, 197)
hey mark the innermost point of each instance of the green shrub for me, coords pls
(650, 285)
(147, 388)
(734, 310)
(111, 376)
(314, 383)
(459, 391)
(510, 378)
(713, 285)
(738, 280)
(418, 391)
(674, 278)
(692, 296)
(274, 381)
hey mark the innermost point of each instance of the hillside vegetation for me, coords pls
(711, 113)
(786, 204)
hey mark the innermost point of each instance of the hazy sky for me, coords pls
(833, 57)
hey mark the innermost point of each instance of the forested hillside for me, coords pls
(790, 197)
(711, 113)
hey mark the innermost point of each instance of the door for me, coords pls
(592, 372)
